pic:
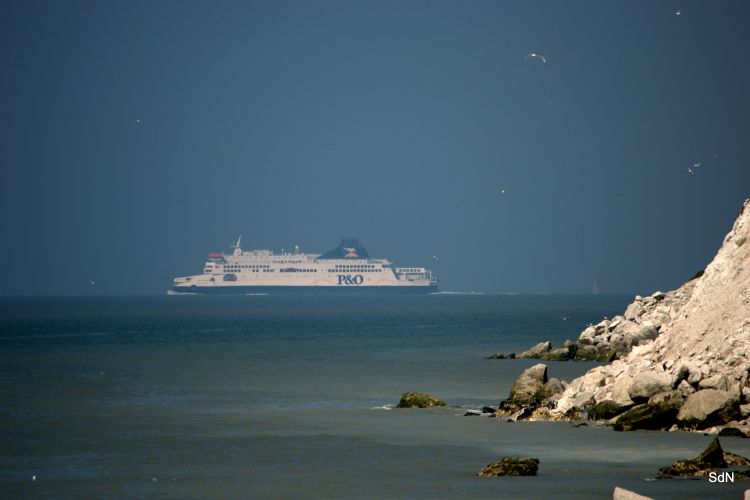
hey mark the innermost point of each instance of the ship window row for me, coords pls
(295, 270)
(354, 270)
(370, 266)
(237, 267)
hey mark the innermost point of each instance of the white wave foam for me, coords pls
(384, 407)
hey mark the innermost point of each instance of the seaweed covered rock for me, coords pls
(647, 416)
(712, 458)
(602, 352)
(604, 410)
(511, 466)
(418, 400)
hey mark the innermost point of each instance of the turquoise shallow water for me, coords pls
(282, 397)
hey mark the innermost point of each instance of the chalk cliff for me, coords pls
(688, 350)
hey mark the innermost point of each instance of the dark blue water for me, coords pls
(282, 397)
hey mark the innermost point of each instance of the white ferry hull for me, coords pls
(345, 269)
(281, 289)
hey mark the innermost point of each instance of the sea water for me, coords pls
(287, 397)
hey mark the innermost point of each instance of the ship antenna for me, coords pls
(237, 249)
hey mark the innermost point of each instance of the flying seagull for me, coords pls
(503, 190)
(538, 56)
(678, 12)
(620, 195)
(691, 170)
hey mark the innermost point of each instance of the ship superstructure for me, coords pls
(347, 267)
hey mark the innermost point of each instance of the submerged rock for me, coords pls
(419, 400)
(713, 457)
(511, 466)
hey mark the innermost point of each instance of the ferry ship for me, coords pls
(347, 268)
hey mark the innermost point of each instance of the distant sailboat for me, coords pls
(595, 288)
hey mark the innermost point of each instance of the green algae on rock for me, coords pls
(648, 416)
(511, 466)
(712, 458)
(419, 400)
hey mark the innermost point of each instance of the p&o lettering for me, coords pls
(348, 279)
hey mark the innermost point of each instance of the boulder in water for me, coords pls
(419, 400)
(713, 457)
(511, 466)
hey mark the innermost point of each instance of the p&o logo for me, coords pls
(348, 279)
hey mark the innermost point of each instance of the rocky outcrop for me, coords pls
(528, 388)
(611, 339)
(418, 400)
(511, 466)
(641, 323)
(688, 349)
(712, 458)
(545, 351)
(535, 352)
(499, 355)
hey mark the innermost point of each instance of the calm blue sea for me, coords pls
(288, 397)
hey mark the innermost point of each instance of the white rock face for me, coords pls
(703, 334)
